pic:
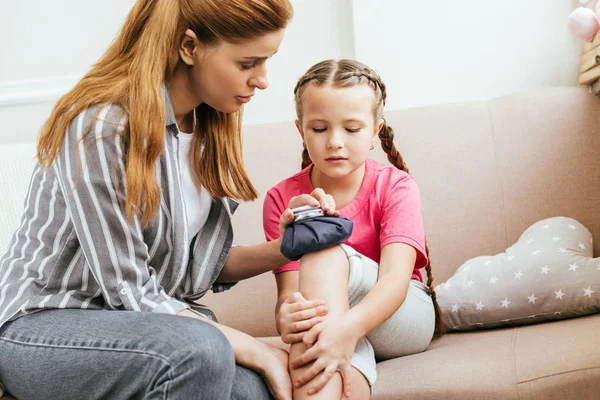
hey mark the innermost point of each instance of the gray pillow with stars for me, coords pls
(549, 274)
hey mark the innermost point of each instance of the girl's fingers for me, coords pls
(305, 325)
(306, 305)
(310, 374)
(303, 200)
(310, 338)
(292, 338)
(325, 200)
(295, 297)
(309, 313)
(306, 357)
(323, 379)
(346, 373)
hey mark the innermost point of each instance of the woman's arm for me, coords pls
(245, 262)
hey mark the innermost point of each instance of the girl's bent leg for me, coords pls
(81, 354)
(324, 275)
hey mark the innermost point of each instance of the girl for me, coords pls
(376, 304)
(129, 210)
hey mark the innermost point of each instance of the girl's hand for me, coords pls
(318, 198)
(330, 345)
(297, 315)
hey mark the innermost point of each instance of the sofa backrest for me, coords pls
(486, 170)
(16, 165)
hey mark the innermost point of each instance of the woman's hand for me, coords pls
(318, 198)
(272, 364)
(298, 315)
(330, 345)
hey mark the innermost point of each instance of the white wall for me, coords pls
(46, 46)
(430, 52)
(439, 51)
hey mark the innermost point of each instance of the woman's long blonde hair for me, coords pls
(347, 73)
(134, 70)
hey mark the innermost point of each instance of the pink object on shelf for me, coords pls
(583, 23)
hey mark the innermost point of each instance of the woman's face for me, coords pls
(226, 76)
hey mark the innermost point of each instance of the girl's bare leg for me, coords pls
(324, 275)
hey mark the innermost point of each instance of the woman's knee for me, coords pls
(206, 342)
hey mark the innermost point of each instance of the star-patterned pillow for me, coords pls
(548, 274)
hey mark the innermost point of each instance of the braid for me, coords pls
(303, 81)
(386, 136)
(306, 161)
(440, 328)
(375, 81)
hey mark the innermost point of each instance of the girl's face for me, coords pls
(338, 127)
(226, 76)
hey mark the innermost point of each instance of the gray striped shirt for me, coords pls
(74, 247)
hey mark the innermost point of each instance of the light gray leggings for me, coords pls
(408, 331)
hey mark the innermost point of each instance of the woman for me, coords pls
(140, 167)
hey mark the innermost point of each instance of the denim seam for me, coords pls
(166, 392)
(144, 353)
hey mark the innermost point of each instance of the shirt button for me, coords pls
(123, 291)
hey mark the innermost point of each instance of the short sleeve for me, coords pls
(402, 221)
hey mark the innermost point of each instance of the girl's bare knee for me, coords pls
(332, 257)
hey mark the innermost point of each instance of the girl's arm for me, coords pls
(244, 262)
(395, 271)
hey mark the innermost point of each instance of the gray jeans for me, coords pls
(81, 354)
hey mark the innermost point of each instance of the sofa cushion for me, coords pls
(534, 362)
(16, 163)
(548, 274)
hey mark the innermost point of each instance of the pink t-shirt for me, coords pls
(387, 209)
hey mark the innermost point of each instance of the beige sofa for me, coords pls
(487, 170)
